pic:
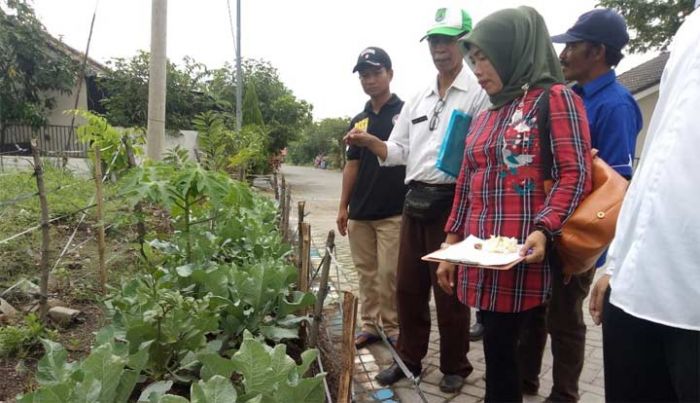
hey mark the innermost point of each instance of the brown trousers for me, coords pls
(374, 245)
(415, 278)
(563, 319)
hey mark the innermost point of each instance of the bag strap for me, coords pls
(544, 127)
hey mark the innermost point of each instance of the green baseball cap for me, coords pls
(450, 22)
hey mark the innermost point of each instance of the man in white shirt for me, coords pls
(415, 142)
(650, 314)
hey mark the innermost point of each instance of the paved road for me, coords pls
(321, 190)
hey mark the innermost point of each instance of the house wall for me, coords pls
(647, 103)
(66, 102)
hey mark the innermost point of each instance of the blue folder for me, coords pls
(451, 153)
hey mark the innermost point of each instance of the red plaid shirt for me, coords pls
(500, 192)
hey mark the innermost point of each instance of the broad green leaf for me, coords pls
(307, 390)
(130, 377)
(307, 358)
(253, 362)
(172, 399)
(215, 365)
(218, 389)
(281, 364)
(49, 394)
(87, 391)
(106, 368)
(52, 368)
(155, 391)
(276, 333)
(184, 271)
(297, 302)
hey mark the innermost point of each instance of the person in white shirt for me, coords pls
(415, 142)
(648, 298)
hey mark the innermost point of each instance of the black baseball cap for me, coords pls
(601, 25)
(372, 57)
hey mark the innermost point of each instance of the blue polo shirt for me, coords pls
(614, 120)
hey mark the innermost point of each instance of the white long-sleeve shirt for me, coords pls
(413, 144)
(655, 257)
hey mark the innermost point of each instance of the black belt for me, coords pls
(417, 184)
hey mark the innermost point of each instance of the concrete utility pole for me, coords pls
(239, 73)
(157, 80)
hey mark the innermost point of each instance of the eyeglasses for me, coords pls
(439, 106)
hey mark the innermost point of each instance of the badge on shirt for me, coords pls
(362, 124)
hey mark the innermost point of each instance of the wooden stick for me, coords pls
(45, 236)
(300, 219)
(289, 210)
(322, 290)
(348, 355)
(283, 208)
(305, 257)
(99, 196)
(138, 208)
(275, 185)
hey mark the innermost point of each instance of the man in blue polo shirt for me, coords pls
(593, 49)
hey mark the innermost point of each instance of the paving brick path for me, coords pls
(321, 190)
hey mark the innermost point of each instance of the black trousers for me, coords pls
(563, 320)
(502, 334)
(415, 279)
(648, 362)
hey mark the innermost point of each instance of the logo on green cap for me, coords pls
(440, 14)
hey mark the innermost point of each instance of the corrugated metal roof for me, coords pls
(645, 75)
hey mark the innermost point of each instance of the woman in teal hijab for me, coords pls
(500, 189)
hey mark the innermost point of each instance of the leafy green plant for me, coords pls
(108, 374)
(99, 133)
(269, 374)
(150, 309)
(19, 340)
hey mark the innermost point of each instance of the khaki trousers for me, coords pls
(374, 245)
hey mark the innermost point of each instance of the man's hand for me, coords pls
(446, 277)
(534, 247)
(359, 138)
(342, 221)
(595, 304)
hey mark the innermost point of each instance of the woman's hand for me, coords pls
(534, 247)
(595, 304)
(446, 277)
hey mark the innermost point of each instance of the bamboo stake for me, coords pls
(45, 236)
(300, 219)
(322, 290)
(305, 257)
(138, 208)
(99, 196)
(348, 355)
(289, 209)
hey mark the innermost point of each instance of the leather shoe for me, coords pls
(476, 332)
(392, 375)
(451, 383)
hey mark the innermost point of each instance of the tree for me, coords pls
(284, 115)
(30, 67)
(321, 138)
(126, 88)
(653, 22)
(251, 107)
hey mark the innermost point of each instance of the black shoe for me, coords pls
(392, 375)
(451, 383)
(476, 332)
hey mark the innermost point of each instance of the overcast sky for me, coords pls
(313, 43)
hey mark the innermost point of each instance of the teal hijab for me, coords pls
(517, 44)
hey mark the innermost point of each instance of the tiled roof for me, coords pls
(645, 75)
